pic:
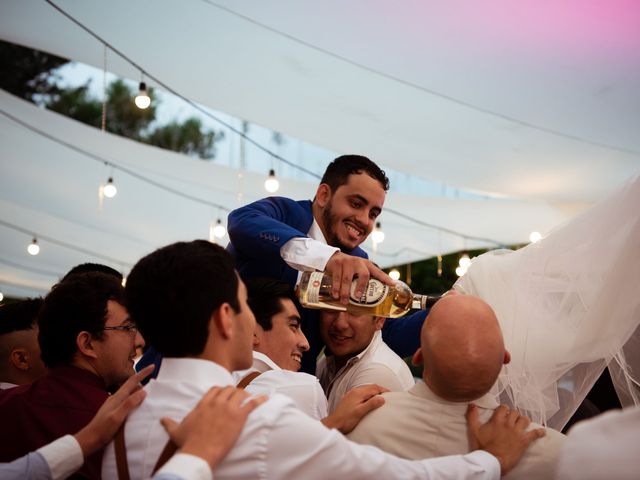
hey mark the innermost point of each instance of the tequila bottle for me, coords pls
(378, 299)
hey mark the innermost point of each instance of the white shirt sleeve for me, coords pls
(183, 465)
(307, 254)
(64, 456)
(312, 450)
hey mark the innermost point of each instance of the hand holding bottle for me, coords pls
(345, 268)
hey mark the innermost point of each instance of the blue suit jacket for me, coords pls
(257, 232)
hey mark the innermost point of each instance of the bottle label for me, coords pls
(313, 287)
(372, 296)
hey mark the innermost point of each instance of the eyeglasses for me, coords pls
(130, 329)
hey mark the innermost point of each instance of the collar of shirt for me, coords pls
(421, 389)
(7, 385)
(203, 373)
(331, 361)
(262, 363)
(316, 233)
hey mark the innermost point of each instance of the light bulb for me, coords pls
(460, 271)
(219, 230)
(124, 281)
(110, 189)
(394, 274)
(535, 236)
(377, 235)
(1, 296)
(464, 261)
(33, 247)
(142, 100)
(271, 184)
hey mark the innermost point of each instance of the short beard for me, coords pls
(330, 235)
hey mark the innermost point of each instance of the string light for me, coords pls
(535, 237)
(460, 271)
(219, 230)
(395, 274)
(33, 248)
(464, 261)
(377, 235)
(271, 184)
(110, 189)
(142, 100)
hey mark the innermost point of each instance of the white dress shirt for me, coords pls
(419, 424)
(308, 253)
(302, 388)
(607, 446)
(375, 364)
(277, 442)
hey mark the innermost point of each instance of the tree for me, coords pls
(187, 137)
(26, 73)
(30, 74)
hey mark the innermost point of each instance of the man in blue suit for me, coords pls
(278, 237)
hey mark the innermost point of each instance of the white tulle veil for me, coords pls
(569, 307)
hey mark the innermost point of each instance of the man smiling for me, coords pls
(355, 355)
(88, 343)
(278, 237)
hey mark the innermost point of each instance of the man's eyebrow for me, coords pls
(360, 197)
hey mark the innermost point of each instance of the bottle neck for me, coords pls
(422, 302)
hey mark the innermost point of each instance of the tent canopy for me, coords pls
(537, 101)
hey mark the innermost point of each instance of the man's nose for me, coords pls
(139, 340)
(340, 322)
(303, 343)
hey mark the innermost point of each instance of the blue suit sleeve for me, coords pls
(259, 229)
(30, 467)
(403, 334)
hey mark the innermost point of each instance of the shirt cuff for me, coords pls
(184, 465)
(303, 253)
(64, 456)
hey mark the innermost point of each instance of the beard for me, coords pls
(328, 220)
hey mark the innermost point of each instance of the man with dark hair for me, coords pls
(92, 267)
(190, 303)
(88, 343)
(278, 237)
(20, 361)
(278, 343)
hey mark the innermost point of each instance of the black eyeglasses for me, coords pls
(130, 329)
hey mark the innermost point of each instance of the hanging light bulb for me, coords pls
(377, 235)
(460, 271)
(464, 261)
(535, 236)
(110, 189)
(142, 100)
(395, 274)
(33, 248)
(271, 184)
(219, 230)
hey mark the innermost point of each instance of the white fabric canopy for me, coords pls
(533, 101)
(52, 167)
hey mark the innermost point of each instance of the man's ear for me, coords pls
(84, 342)
(507, 357)
(379, 322)
(323, 195)
(19, 358)
(417, 358)
(222, 320)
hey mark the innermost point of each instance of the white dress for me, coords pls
(569, 305)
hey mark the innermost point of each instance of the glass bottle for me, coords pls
(378, 299)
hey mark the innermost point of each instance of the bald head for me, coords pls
(462, 348)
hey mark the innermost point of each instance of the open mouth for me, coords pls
(297, 357)
(353, 231)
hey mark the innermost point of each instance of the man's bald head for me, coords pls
(462, 348)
